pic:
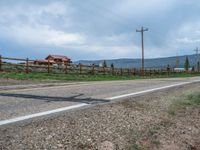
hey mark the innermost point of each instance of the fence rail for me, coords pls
(26, 65)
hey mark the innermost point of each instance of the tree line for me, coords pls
(186, 65)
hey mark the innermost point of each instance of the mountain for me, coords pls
(149, 63)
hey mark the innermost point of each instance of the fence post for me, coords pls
(113, 70)
(0, 63)
(27, 66)
(159, 72)
(66, 68)
(134, 71)
(80, 68)
(93, 72)
(104, 71)
(128, 72)
(48, 67)
(121, 72)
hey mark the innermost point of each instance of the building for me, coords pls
(54, 59)
(58, 59)
(182, 69)
(43, 62)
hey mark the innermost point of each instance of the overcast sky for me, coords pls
(98, 29)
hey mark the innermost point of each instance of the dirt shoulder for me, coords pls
(163, 120)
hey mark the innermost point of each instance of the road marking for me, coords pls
(13, 120)
(146, 91)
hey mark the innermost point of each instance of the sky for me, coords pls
(98, 29)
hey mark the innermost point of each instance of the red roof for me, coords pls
(64, 58)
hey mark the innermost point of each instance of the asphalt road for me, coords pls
(27, 100)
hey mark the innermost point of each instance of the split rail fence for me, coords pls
(28, 66)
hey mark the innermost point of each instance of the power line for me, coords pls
(142, 30)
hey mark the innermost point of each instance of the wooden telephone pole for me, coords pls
(197, 58)
(142, 30)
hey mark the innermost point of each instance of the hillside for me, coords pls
(149, 63)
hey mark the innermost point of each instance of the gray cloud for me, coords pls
(93, 29)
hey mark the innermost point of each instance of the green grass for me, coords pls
(190, 99)
(75, 77)
(67, 77)
(149, 135)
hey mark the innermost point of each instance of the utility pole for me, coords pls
(197, 58)
(142, 30)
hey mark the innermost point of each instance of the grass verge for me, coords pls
(191, 99)
(77, 77)
(66, 77)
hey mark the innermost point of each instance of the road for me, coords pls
(22, 103)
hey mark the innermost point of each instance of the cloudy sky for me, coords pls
(98, 29)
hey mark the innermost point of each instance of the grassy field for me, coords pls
(75, 77)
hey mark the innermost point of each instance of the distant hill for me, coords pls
(149, 63)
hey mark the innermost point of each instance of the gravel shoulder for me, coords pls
(140, 123)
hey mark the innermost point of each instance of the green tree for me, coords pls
(187, 64)
(112, 65)
(104, 64)
(193, 69)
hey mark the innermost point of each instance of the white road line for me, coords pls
(13, 120)
(146, 91)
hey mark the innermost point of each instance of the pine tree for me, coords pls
(193, 69)
(187, 64)
(104, 64)
(112, 65)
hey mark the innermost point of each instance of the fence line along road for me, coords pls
(27, 65)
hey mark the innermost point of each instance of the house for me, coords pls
(59, 59)
(182, 69)
(43, 62)
(53, 59)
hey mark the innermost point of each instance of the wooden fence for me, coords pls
(28, 66)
